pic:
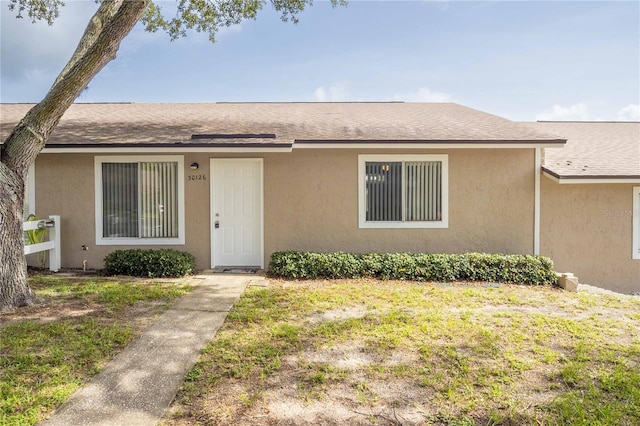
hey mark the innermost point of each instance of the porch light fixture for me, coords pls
(195, 166)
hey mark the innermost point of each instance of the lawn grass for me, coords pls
(371, 352)
(77, 326)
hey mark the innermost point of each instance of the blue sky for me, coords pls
(576, 60)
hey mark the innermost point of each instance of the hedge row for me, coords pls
(501, 268)
(149, 263)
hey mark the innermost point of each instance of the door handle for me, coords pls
(217, 224)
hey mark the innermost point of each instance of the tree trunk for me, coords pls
(113, 20)
(15, 291)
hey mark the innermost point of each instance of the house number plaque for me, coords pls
(197, 177)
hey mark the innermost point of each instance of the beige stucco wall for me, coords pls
(65, 186)
(586, 229)
(310, 203)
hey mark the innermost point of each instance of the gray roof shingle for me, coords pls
(596, 149)
(132, 123)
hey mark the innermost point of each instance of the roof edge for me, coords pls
(426, 144)
(590, 178)
(431, 141)
(173, 145)
(584, 121)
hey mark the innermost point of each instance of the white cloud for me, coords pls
(334, 93)
(37, 50)
(233, 29)
(443, 4)
(629, 113)
(575, 112)
(423, 94)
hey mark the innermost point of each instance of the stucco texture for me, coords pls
(587, 230)
(65, 186)
(311, 203)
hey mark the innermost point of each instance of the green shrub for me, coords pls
(502, 268)
(149, 263)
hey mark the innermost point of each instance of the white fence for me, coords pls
(53, 245)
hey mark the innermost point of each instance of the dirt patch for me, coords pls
(139, 316)
(49, 310)
(287, 401)
(352, 356)
(291, 411)
(338, 314)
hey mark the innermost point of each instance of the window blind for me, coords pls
(384, 191)
(119, 199)
(140, 200)
(158, 200)
(403, 191)
(423, 190)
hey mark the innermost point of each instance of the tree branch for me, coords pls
(30, 135)
(97, 22)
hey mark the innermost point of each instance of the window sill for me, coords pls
(139, 241)
(404, 225)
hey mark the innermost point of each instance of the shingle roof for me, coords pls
(593, 149)
(133, 123)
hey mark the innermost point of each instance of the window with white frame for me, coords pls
(403, 191)
(139, 200)
(635, 217)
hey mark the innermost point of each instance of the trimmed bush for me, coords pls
(149, 263)
(501, 268)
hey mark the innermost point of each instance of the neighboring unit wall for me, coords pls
(311, 203)
(587, 230)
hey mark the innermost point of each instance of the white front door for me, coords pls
(236, 212)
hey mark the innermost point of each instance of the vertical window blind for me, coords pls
(423, 183)
(384, 191)
(403, 191)
(140, 200)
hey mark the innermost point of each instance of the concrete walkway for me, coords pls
(138, 385)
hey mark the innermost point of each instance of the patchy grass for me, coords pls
(370, 352)
(49, 350)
